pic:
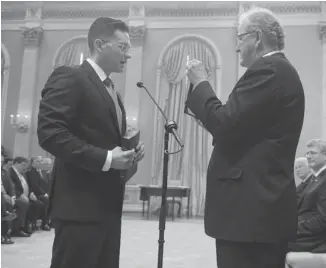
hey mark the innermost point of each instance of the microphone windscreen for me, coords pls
(140, 84)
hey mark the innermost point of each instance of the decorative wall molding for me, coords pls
(33, 13)
(136, 11)
(32, 36)
(190, 12)
(322, 32)
(90, 9)
(137, 32)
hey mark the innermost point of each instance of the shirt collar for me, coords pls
(307, 177)
(17, 172)
(319, 171)
(98, 70)
(272, 53)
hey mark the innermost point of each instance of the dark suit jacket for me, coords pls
(7, 183)
(77, 123)
(38, 183)
(312, 217)
(251, 194)
(16, 181)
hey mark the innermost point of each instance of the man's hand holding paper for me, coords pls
(196, 72)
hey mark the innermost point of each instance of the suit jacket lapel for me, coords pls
(102, 90)
(311, 179)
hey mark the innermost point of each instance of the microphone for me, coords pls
(171, 124)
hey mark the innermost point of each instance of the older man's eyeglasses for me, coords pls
(241, 36)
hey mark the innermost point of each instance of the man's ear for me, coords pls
(259, 39)
(98, 45)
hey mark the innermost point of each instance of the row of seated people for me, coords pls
(311, 199)
(24, 196)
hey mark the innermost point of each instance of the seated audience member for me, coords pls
(39, 186)
(6, 218)
(7, 206)
(7, 163)
(303, 172)
(20, 165)
(311, 235)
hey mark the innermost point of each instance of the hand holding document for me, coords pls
(196, 72)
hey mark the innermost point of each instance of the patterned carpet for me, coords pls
(186, 246)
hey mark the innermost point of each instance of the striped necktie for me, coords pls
(110, 88)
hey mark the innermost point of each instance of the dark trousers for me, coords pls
(38, 210)
(21, 206)
(6, 226)
(232, 254)
(86, 245)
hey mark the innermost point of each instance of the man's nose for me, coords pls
(128, 55)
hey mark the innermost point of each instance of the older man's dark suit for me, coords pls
(311, 235)
(251, 194)
(77, 123)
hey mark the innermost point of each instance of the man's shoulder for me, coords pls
(278, 62)
(69, 72)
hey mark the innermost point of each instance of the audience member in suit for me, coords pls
(7, 163)
(22, 202)
(303, 172)
(38, 184)
(251, 194)
(7, 205)
(47, 166)
(81, 122)
(311, 235)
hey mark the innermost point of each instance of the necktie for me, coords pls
(110, 88)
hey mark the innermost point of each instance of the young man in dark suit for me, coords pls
(37, 181)
(251, 195)
(311, 235)
(81, 122)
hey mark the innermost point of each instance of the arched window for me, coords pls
(72, 52)
(189, 167)
(5, 70)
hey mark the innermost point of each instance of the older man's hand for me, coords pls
(196, 72)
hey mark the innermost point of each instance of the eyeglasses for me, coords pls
(123, 47)
(312, 153)
(241, 36)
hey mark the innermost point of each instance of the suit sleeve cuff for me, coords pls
(195, 85)
(108, 161)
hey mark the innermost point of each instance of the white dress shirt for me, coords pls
(319, 171)
(101, 74)
(272, 53)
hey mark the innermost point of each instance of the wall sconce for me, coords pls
(20, 122)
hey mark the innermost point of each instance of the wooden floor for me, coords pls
(186, 246)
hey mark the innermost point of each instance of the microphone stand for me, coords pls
(170, 127)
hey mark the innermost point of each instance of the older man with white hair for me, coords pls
(251, 195)
(302, 172)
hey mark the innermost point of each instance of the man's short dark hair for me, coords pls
(7, 160)
(19, 159)
(104, 28)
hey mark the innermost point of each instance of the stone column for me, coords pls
(323, 104)
(32, 38)
(134, 67)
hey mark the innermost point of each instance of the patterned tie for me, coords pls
(110, 88)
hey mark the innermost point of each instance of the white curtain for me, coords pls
(189, 167)
(70, 53)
